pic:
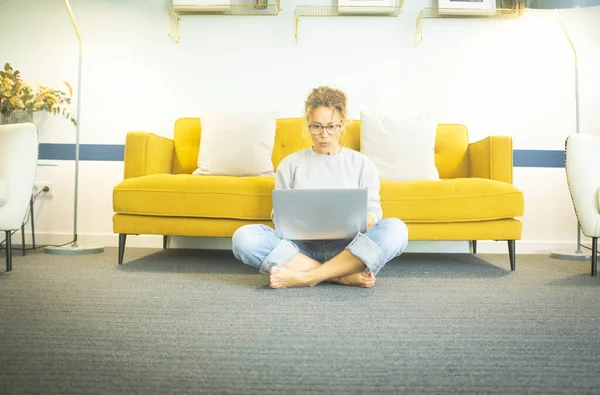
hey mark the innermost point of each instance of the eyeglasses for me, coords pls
(317, 128)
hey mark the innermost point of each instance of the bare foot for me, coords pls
(301, 262)
(360, 279)
(282, 277)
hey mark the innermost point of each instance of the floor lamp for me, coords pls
(74, 248)
(577, 255)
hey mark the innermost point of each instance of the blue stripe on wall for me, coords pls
(538, 158)
(97, 152)
(103, 152)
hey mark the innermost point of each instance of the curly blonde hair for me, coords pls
(325, 96)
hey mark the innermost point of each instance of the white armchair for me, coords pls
(583, 177)
(18, 165)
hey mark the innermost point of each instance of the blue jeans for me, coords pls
(257, 245)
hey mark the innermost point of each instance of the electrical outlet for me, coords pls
(38, 187)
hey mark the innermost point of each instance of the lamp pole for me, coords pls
(74, 248)
(577, 255)
(74, 245)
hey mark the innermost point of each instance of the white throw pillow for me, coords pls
(237, 145)
(400, 146)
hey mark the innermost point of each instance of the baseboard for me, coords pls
(96, 239)
(150, 241)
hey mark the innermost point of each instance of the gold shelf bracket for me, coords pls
(419, 35)
(467, 13)
(343, 11)
(177, 11)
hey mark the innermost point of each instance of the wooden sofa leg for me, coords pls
(512, 255)
(165, 242)
(474, 247)
(594, 256)
(8, 251)
(122, 239)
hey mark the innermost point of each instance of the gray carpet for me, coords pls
(191, 322)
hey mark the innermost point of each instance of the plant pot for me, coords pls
(17, 116)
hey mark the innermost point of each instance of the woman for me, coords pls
(326, 165)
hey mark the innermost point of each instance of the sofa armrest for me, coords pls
(147, 153)
(492, 158)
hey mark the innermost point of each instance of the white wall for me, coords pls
(497, 77)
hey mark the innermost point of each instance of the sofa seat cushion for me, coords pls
(185, 195)
(455, 200)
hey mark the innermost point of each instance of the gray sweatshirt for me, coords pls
(306, 169)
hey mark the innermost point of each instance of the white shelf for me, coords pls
(177, 11)
(344, 11)
(468, 13)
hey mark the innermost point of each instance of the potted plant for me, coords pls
(18, 101)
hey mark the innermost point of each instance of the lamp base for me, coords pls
(570, 255)
(74, 250)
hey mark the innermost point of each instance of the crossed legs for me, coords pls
(356, 263)
(302, 270)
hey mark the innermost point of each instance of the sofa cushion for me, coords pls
(400, 146)
(186, 142)
(3, 192)
(249, 198)
(452, 151)
(237, 145)
(185, 195)
(457, 200)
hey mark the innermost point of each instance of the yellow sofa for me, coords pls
(474, 200)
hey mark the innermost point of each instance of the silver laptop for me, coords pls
(319, 214)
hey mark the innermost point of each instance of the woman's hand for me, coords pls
(370, 221)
